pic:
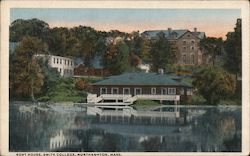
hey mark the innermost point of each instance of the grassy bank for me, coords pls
(65, 90)
(141, 104)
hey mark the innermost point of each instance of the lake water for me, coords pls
(165, 129)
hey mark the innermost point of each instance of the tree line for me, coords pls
(29, 76)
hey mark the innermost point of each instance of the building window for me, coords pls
(164, 91)
(184, 59)
(171, 91)
(114, 91)
(68, 62)
(65, 62)
(126, 90)
(189, 92)
(184, 48)
(153, 90)
(60, 61)
(57, 61)
(184, 42)
(192, 42)
(54, 60)
(192, 48)
(71, 63)
(192, 58)
(138, 91)
(188, 35)
(103, 90)
(182, 91)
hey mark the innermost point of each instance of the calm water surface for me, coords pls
(58, 128)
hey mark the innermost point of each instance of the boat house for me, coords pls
(126, 88)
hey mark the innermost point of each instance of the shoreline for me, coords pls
(67, 103)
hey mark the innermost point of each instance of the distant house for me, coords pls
(145, 67)
(186, 42)
(95, 68)
(129, 87)
(64, 65)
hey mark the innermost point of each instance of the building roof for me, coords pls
(141, 78)
(169, 32)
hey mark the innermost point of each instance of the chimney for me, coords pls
(195, 29)
(160, 71)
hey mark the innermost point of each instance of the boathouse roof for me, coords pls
(141, 78)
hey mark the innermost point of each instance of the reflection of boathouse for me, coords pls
(63, 140)
(127, 88)
(128, 115)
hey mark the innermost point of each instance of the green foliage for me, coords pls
(31, 27)
(214, 84)
(160, 53)
(143, 104)
(233, 48)
(117, 57)
(213, 46)
(51, 76)
(64, 90)
(26, 78)
(195, 100)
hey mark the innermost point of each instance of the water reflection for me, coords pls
(165, 129)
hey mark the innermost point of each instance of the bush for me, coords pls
(81, 84)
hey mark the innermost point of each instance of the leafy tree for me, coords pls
(31, 27)
(90, 43)
(213, 46)
(26, 78)
(214, 84)
(233, 48)
(117, 57)
(51, 76)
(160, 53)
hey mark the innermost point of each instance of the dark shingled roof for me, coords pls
(179, 33)
(140, 78)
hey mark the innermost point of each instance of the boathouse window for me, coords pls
(164, 91)
(189, 92)
(57, 60)
(153, 90)
(171, 91)
(126, 91)
(182, 91)
(54, 60)
(114, 90)
(138, 91)
(103, 90)
(60, 61)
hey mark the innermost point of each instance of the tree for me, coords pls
(51, 76)
(31, 27)
(160, 53)
(213, 46)
(233, 48)
(26, 78)
(116, 57)
(214, 84)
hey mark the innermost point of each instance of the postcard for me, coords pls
(116, 78)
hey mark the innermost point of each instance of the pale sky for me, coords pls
(214, 22)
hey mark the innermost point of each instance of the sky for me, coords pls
(214, 22)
